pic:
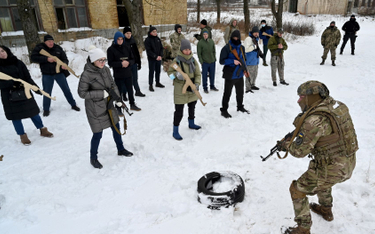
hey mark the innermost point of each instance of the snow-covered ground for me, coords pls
(50, 186)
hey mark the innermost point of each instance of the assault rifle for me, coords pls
(113, 96)
(26, 86)
(188, 83)
(243, 65)
(278, 147)
(58, 62)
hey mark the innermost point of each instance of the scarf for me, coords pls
(189, 62)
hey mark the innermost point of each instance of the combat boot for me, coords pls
(45, 133)
(25, 140)
(324, 211)
(297, 230)
(333, 63)
(225, 113)
(341, 50)
(322, 63)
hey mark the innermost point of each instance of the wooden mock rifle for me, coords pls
(188, 82)
(26, 86)
(58, 62)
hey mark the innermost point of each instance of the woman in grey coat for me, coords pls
(94, 85)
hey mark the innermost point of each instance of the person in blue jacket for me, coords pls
(266, 32)
(233, 73)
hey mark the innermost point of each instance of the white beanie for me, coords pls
(96, 53)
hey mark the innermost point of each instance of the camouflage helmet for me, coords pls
(313, 87)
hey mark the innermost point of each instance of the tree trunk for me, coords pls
(198, 11)
(218, 11)
(134, 9)
(277, 14)
(29, 27)
(246, 13)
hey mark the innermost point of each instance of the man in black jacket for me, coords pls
(129, 40)
(350, 27)
(121, 59)
(154, 50)
(49, 75)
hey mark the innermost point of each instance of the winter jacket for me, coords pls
(331, 37)
(175, 40)
(19, 109)
(208, 29)
(252, 50)
(154, 47)
(134, 48)
(273, 45)
(179, 97)
(229, 29)
(46, 67)
(115, 55)
(351, 27)
(231, 71)
(206, 51)
(91, 87)
(267, 29)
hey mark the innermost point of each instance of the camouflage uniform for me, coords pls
(175, 39)
(229, 29)
(327, 135)
(167, 55)
(330, 40)
(277, 59)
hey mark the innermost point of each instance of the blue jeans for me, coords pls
(95, 140)
(154, 66)
(18, 126)
(210, 68)
(48, 80)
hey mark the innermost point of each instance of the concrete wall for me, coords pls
(164, 12)
(322, 7)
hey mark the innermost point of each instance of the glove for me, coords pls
(105, 94)
(196, 35)
(139, 67)
(38, 92)
(281, 145)
(180, 76)
(197, 85)
(288, 136)
(323, 45)
(119, 104)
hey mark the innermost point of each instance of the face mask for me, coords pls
(236, 42)
(332, 26)
(263, 25)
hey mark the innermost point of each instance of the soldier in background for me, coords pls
(167, 54)
(326, 133)
(330, 40)
(175, 40)
(204, 26)
(233, 25)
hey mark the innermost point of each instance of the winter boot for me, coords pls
(192, 125)
(140, 94)
(274, 83)
(76, 108)
(254, 87)
(352, 52)
(322, 63)
(25, 140)
(333, 63)
(151, 88)
(175, 134)
(243, 110)
(46, 113)
(283, 82)
(324, 211)
(225, 113)
(134, 107)
(95, 163)
(297, 230)
(214, 89)
(159, 85)
(125, 153)
(45, 133)
(341, 50)
(205, 90)
(265, 63)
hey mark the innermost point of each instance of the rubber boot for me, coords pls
(25, 140)
(175, 134)
(322, 63)
(192, 125)
(45, 133)
(324, 211)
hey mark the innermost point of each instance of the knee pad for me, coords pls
(294, 193)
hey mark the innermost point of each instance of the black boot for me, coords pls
(151, 88)
(95, 163)
(333, 63)
(283, 82)
(125, 152)
(243, 110)
(322, 63)
(225, 113)
(159, 85)
(140, 94)
(274, 83)
(352, 52)
(341, 50)
(134, 107)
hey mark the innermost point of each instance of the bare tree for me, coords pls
(246, 13)
(29, 27)
(278, 14)
(218, 11)
(198, 10)
(134, 9)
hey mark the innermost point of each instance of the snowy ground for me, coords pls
(50, 186)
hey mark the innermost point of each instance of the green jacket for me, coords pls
(273, 45)
(175, 39)
(206, 51)
(179, 97)
(331, 37)
(207, 28)
(229, 30)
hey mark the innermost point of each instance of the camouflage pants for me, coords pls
(333, 52)
(253, 71)
(277, 64)
(319, 179)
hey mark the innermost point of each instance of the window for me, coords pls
(122, 14)
(71, 13)
(10, 19)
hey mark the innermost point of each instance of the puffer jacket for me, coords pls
(252, 50)
(91, 87)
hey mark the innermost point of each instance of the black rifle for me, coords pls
(117, 98)
(278, 146)
(242, 65)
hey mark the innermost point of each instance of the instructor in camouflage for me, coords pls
(325, 133)
(277, 45)
(330, 40)
(175, 39)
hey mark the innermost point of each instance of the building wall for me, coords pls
(323, 7)
(103, 14)
(158, 12)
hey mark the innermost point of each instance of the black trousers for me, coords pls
(128, 84)
(179, 112)
(228, 86)
(154, 66)
(352, 38)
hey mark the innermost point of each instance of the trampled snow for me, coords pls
(50, 186)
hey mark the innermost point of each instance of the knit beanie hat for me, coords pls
(127, 29)
(48, 37)
(96, 53)
(152, 28)
(204, 22)
(236, 33)
(204, 31)
(117, 35)
(177, 26)
(263, 21)
(185, 44)
(255, 29)
(333, 22)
